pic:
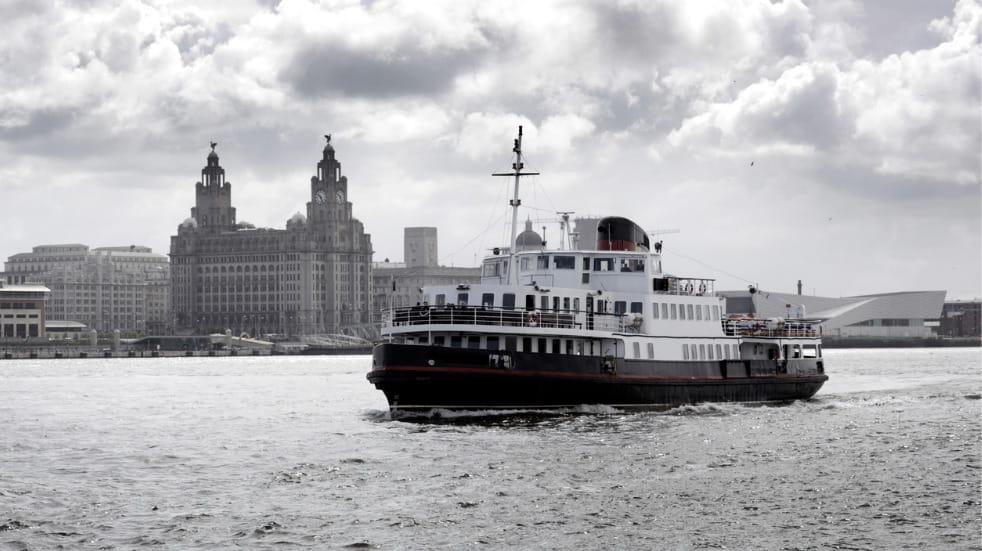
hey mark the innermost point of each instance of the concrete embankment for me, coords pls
(47, 352)
(898, 342)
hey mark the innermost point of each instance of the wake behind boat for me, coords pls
(600, 324)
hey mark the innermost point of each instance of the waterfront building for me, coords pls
(105, 288)
(312, 277)
(960, 318)
(909, 314)
(22, 311)
(400, 283)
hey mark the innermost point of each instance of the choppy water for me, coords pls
(299, 452)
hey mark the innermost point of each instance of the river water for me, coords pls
(299, 452)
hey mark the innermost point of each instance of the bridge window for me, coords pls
(654, 310)
(487, 299)
(507, 301)
(603, 264)
(620, 307)
(564, 262)
(542, 262)
(462, 299)
(441, 299)
(636, 308)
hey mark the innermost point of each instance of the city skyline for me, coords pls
(835, 143)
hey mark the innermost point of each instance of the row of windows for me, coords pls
(697, 312)
(696, 351)
(19, 305)
(526, 344)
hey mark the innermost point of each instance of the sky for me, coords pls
(834, 142)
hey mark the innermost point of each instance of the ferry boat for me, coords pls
(600, 324)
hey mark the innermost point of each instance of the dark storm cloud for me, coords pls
(407, 71)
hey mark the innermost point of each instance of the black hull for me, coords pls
(420, 377)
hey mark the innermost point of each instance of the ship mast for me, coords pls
(517, 167)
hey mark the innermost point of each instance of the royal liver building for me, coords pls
(313, 277)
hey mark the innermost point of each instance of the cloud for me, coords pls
(379, 51)
(657, 102)
(910, 115)
(798, 109)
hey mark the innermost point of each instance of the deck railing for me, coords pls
(750, 327)
(504, 317)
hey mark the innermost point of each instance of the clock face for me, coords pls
(340, 196)
(320, 197)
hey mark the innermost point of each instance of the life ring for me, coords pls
(702, 288)
(688, 289)
(531, 319)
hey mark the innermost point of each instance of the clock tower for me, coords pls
(328, 190)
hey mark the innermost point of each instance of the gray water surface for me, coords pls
(300, 452)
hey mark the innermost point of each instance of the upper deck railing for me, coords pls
(756, 327)
(506, 317)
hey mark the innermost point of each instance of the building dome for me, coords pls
(296, 222)
(528, 239)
